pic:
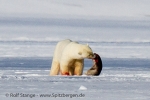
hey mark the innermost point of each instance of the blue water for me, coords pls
(45, 63)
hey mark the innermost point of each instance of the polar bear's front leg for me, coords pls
(79, 64)
(64, 69)
(71, 70)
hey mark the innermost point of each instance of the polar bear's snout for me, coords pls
(91, 56)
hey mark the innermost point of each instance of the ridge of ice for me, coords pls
(82, 88)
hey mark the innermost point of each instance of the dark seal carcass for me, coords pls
(96, 69)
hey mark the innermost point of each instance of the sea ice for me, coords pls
(82, 88)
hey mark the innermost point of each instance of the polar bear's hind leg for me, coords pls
(55, 68)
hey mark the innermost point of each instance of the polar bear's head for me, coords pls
(85, 52)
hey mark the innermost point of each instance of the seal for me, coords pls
(96, 69)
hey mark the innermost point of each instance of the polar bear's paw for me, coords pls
(65, 73)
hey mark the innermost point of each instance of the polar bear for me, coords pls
(69, 57)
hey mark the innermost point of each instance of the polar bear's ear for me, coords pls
(80, 53)
(87, 44)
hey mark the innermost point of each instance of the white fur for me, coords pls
(69, 57)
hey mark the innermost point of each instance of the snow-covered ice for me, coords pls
(82, 88)
(125, 79)
(116, 85)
